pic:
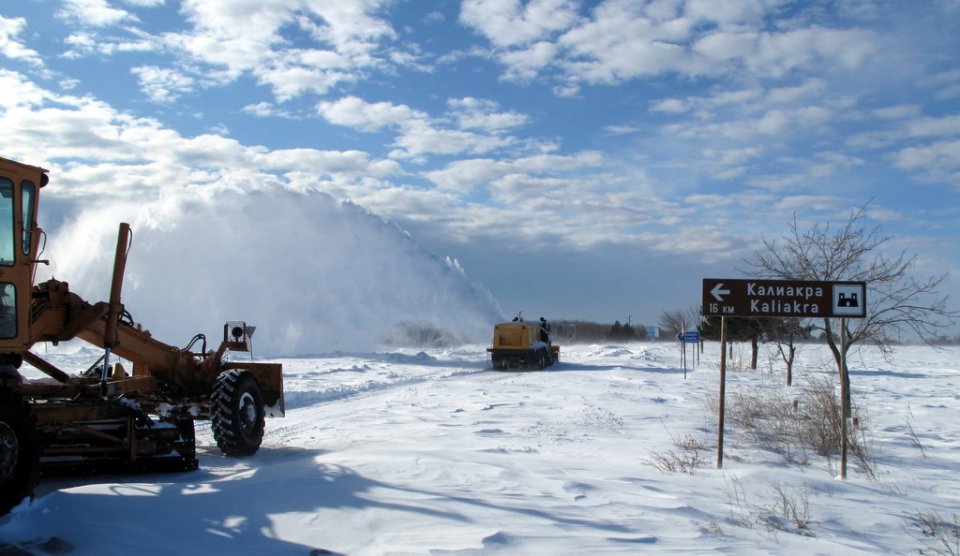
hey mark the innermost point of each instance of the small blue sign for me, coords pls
(691, 337)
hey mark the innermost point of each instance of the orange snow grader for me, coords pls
(522, 345)
(108, 417)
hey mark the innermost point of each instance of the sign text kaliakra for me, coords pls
(783, 298)
(779, 290)
(762, 308)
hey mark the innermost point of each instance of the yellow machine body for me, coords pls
(522, 345)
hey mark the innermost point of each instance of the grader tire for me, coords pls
(237, 413)
(19, 451)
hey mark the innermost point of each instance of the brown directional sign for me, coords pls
(783, 298)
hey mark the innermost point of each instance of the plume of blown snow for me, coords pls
(312, 274)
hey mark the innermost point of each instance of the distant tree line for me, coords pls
(587, 332)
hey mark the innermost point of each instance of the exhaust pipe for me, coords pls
(116, 308)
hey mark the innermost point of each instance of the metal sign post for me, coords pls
(691, 337)
(723, 389)
(843, 397)
(683, 348)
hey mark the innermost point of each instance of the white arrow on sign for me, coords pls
(716, 292)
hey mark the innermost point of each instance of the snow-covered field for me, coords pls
(429, 452)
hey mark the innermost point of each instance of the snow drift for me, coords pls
(312, 274)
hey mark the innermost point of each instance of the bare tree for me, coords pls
(786, 333)
(679, 320)
(896, 301)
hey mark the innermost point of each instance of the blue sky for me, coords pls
(590, 160)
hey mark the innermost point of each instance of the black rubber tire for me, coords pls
(237, 413)
(19, 451)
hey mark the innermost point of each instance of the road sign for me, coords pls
(783, 298)
(691, 337)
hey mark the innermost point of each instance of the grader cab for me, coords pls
(108, 417)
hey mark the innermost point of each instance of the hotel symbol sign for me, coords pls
(848, 300)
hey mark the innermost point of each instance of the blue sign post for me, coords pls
(691, 337)
(688, 337)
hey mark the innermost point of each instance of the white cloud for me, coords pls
(11, 47)
(484, 115)
(730, 13)
(622, 40)
(524, 64)
(621, 129)
(97, 150)
(807, 203)
(422, 138)
(369, 116)
(472, 125)
(779, 53)
(727, 46)
(934, 127)
(831, 163)
(465, 175)
(340, 41)
(95, 13)
(620, 44)
(86, 43)
(897, 112)
(266, 110)
(669, 106)
(779, 182)
(514, 23)
(810, 88)
(162, 85)
(733, 156)
(290, 80)
(939, 162)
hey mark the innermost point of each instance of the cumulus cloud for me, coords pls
(161, 84)
(511, 22)
(469, 173)
(933, 127)
(369, 116)
(339, 40)
(622, 40)
(95, 151)
(471, 125)
(938, 162)
(10, 44)
(484, 115)
(98, 149)
(95, 13)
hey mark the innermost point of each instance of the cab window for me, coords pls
(6, 222)
(8, 310)
(28, 191)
